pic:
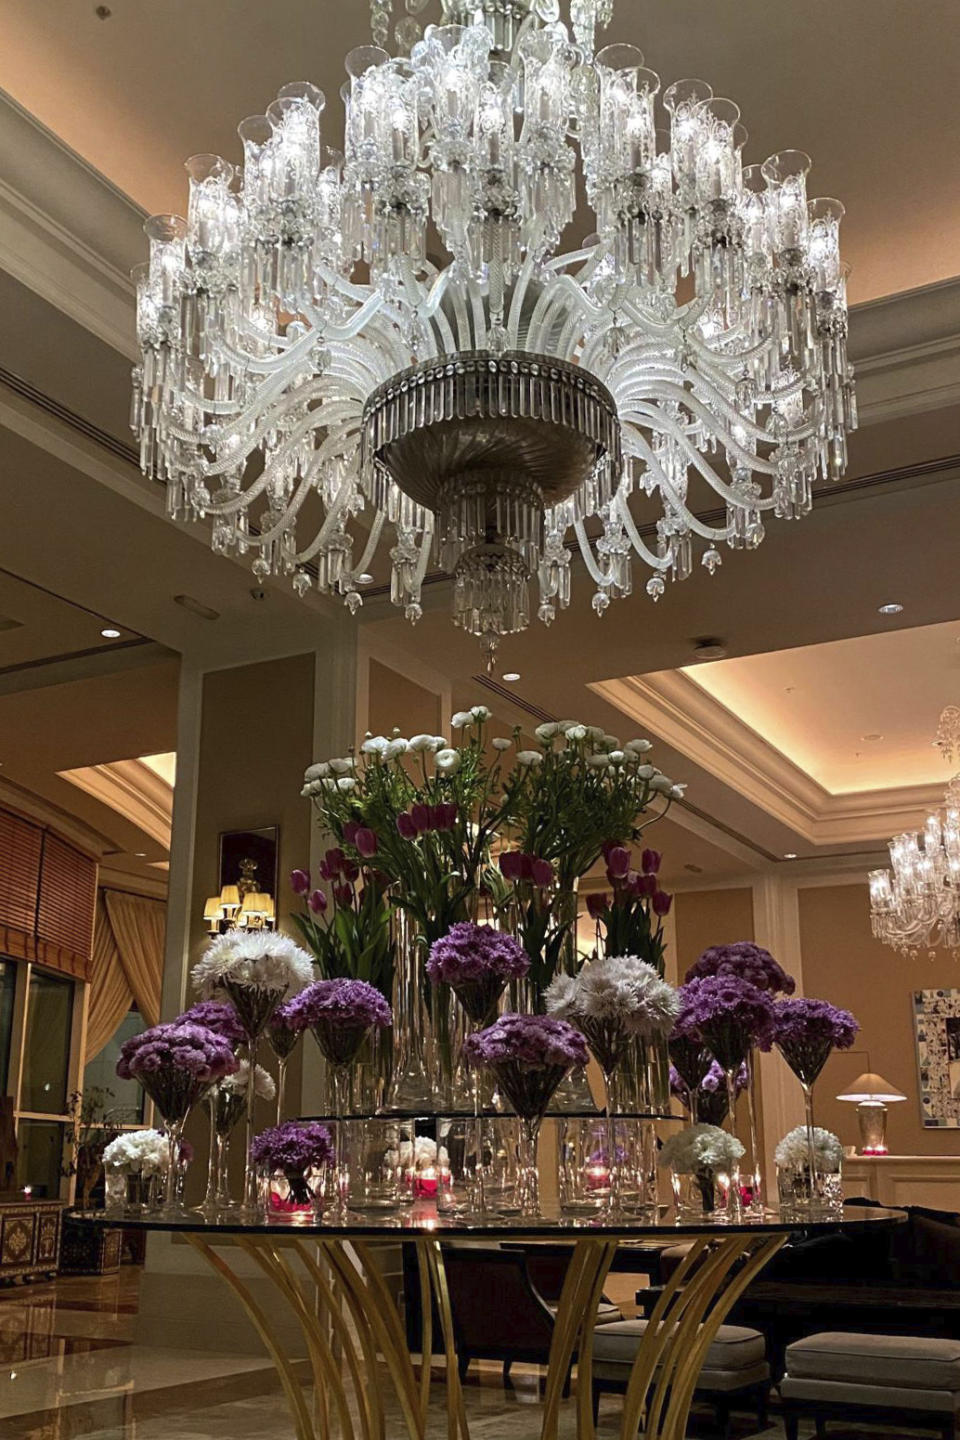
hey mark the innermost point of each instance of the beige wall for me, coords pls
(843, 963)
(396, 700)
(710, 917)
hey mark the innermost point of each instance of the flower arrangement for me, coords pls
(141, 1152)
(255, 959)
(743, 960)
(347, 926)
(529, 1054)
(629, 918)
(807, 1031)
(727, 1015)
(708, 1102)
(294, 1147)
(176, 1064)
(263, 1082)
(701, 1149)
(613, 999)
(793, 1151)
(340, 1013)
(282, 1035)
(477, 962)
(217, 1015)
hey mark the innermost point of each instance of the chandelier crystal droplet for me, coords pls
(318, 379)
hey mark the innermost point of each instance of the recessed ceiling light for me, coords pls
(510, 676)
(109, 633)
(890, 608)
(364, 579)
(708, 647)
(874, 736)
(139, 854)
(790, 855)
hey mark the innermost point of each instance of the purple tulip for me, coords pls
(350, 831)
(541, 872)
(661, 903)
(597, 905)
(343, 894)
(511, 864)
(317, 902)
(300, 882)
(446, 815)
(618, 862)
(406, 826)
(420, 814)
(650, 862)
(647, 885)
(365, 842)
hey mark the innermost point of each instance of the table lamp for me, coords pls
(872, 1094)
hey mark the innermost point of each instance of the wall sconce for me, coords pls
(248, 873)
(253, 910)
(872, 1094)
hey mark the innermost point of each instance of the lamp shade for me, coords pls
(230, 897)
(213, 909)
(872, 1089)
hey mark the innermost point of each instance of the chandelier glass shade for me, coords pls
(391, 347)
(916, 903)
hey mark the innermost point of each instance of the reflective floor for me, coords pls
(69, 1368)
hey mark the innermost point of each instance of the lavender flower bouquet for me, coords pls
(477, 962)
(340, 1013)
(806, 1032)
(708, 1102)
(743, 960)
(295, 1149)
(218, 1015)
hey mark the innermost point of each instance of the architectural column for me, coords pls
(776, 926)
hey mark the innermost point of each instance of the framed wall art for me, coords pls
(936, 1015)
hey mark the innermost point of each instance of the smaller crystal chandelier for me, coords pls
(916, 904)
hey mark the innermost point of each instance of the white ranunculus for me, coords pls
(639, 747)
(439, 742)
(343, 766)
(421, 742)
(306, 792)
(677, 792)
(616, 757)
(533, 758)
(499, 743)
(346, 783)
(318, 771)
(576, 732)
(661, 784)
(480, 713)
(375, 745)
(448, 761)
(611, 742)
(461, 720)
(647, 772)
(599, 761)
(396, 747)
(565, 725)
(330, 783)
(548, 732)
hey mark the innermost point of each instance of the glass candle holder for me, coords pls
(114, 1190)
(373, 1160)
(457, 1170)
(708, 1195)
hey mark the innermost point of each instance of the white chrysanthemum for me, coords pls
(792, 1153)
(137, 1151)
(628, 991)
(499, 743)
(699, 1149)
(252, 957)
(560, 996)
(263, 1081)
(532, 758)
(448, 761)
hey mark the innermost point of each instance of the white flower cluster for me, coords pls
(263, 1081)
(341, 773)
(143, 1152)
(793, 1154)
(259, 958)
(602, 752)
(699, 1149)
(416, 1155)
(620, 988)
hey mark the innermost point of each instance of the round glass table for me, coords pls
(328, 1276)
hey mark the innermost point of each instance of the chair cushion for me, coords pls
(735, 1348)
(716, 1381)
(875, 1397)
(607, 1312)
(907, 1361)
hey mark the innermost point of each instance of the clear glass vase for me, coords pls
(412, 1084)
(708, 1196)
(295, 1197)
(141, 1191)
(800, 1200)
(255, 1005)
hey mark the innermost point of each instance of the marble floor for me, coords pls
(69, 1368)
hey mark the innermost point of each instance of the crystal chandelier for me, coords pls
(390, 347)
(917, 902)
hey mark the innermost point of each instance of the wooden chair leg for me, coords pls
(507, 1366)
(950, 1428)
(565, 1393)
(595, 1402)
(763, 1407)
(723, 1418)
(791, 1424)
(821, 1425)
(463, 1365)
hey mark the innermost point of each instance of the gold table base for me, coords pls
(349, 1319)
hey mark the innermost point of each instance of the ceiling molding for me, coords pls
(65, 231)
(153, 888)
(678, 711)
(54, 817)
(134, 790)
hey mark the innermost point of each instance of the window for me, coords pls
(40, 1156)
(46, 1056)
(101, 1073)
(8, 986)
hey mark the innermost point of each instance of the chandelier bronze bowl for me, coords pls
(316, 385)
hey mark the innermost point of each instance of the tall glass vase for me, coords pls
(282, 1042)
(731, 1076)
(528, 1179)
(412, 1085)
(757, 1204)
(254, 1005)
(340, 1181)
(210, 1204)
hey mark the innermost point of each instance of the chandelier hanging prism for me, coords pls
(390, 347)
(916, 903)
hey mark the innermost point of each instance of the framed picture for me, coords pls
(250, 859)
(936, 1015)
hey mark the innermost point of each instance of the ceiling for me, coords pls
(863, 87)
(884, 693)
(84, 542)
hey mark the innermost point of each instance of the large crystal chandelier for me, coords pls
(389, 346)
(916, 903)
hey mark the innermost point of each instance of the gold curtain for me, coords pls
(138, 927)
(110, 993)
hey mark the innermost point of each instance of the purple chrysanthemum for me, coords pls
(806, 1031)
(708, 1101)
(529, 1055)
(477, 962)
(176, 1064)
(728, 1015)
(294, 1147)
(281, 1034)
(216, 1015)
(340, 1013)
(744, 961)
